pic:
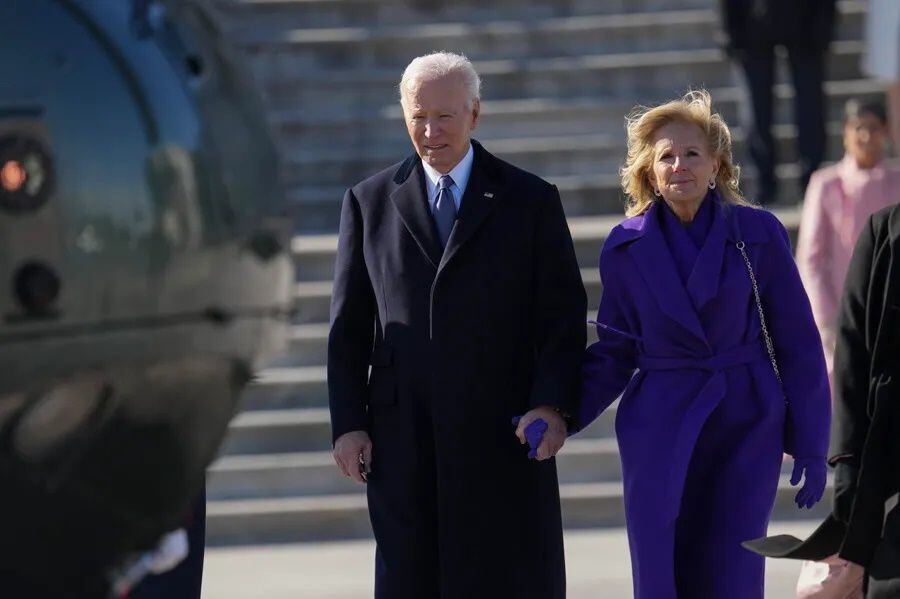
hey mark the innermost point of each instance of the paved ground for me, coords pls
(597, 562)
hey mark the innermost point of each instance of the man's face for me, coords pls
(440, 121)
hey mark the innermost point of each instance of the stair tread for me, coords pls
(290, 375)
(302, 459)
(297, 459)
(527, 106)
(581, 227)
(351, 501)
(278, 418)
(312, 331)
(534, 65)
(509, 147)
(312, 193)
(425, 31)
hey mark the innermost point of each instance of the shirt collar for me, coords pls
(460, 173)
(853, 171)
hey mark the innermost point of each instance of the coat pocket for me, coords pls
(382, 377)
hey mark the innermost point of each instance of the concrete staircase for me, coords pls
(558, 78)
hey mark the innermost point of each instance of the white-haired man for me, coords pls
(456, 281)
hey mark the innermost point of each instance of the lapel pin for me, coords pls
(488, 195)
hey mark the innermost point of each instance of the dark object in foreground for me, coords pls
(145, 273)
(824, 541)
(864, 444)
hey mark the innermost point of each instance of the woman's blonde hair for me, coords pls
(642, 124)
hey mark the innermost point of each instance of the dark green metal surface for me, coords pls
(146, 277)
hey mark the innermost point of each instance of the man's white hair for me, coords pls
(440, 64)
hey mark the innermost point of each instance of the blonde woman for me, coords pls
(704, 419)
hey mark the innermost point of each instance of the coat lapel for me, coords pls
(703, 283)
(481, 196)
(656, 265)
(410, 201)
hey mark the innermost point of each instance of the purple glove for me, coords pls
(814, 480)
(534, 434)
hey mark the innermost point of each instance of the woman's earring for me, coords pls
(712, 184)
(656, 193)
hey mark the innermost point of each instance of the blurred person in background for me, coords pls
(753, 29)
(456, 280)
(703, 424)
(839, 200)
(882, 59)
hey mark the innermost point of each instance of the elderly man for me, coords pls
(456, 281)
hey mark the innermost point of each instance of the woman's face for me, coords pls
(865, 138)
(683, 166)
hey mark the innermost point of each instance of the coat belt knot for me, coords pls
(729, 358)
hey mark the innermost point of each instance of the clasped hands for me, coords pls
(542, 428)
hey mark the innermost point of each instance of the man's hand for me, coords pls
(555, 435)
(353, 455)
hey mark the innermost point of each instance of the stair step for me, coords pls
(278, 431)
(631, 75)
(529, 117)
(316, 260)
(307, 346)
(287, 50)
(582, 460)
(287, 387)
(318, 208)
(345, 516)
(315, 473)
(312, 300)
(551, 156)
(271, 14)
(309, 429)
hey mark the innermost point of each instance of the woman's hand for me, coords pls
(812, 470)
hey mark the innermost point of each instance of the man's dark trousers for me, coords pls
(807, 68)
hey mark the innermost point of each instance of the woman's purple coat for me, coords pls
(703, 422)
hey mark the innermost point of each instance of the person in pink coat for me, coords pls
(839, 200)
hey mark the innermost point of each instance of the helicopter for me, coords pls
(145, 273)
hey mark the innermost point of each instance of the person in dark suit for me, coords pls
(866, 437)
(753, 29)
(456, 282)
(865, 444)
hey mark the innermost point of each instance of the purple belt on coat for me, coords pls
(735, 356)
(704, 403)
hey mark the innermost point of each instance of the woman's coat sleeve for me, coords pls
(610, 362)
(798, 348)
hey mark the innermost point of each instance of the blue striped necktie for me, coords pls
(444, 209)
